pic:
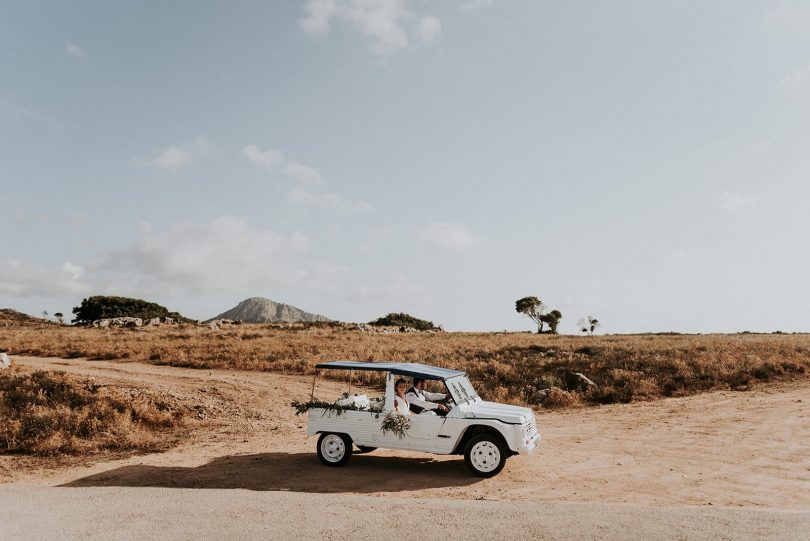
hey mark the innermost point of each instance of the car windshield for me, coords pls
(461, 389)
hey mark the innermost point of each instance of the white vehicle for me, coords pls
(486, 433)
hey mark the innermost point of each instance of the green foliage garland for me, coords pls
(303, 407)
(392, 422)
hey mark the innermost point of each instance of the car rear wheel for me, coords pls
(365, 449)
(334, 449)
(485, 455)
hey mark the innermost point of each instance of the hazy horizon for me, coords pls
(642, 163)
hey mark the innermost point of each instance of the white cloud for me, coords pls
(449, 235)
(386, 24)
(177, 156)
(429, 28)
(226, 254)
(469, 5)
(398, 290)
(734, 202)
(309, 189)
(325, 200)
(797, 80)
(306, 176)
(23, 279)
(73, 271)
(71, 49)
(318, 14)
(264, 158)
(382, 22)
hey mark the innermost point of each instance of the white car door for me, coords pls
(425, 426)
(423, 435)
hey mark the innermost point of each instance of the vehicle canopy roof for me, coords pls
(414, 370)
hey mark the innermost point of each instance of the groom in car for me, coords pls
(421, 400)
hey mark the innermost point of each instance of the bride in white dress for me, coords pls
(401, 405)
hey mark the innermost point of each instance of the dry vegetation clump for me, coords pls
(51, 413)
(512, 367)
(558, 399)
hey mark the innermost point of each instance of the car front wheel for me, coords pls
(485, 455)
(334, 449)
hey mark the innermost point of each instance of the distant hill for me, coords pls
(261, 310)
(13, 318)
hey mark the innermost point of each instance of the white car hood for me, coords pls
(501, 412)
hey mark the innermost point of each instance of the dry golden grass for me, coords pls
(558, 399)
(509, 367)
(13, 318)
(51, 413)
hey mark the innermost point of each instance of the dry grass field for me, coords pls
(510, 367)
(51, 413)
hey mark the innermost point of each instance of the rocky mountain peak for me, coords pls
(261, 310)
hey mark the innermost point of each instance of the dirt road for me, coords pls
(172, 514)
(727, 449)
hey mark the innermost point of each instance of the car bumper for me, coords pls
(528, 445)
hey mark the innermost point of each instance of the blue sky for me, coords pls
(643, 162)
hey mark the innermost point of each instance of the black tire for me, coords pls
(334, 449)
(362, 449)
(485, 455)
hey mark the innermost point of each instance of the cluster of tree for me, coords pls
(103, 307)
(534, 309)
(59, 317)
(588, 324)
(404, 320)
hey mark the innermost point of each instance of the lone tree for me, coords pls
(588, 324)
(532, 308)
(60, 317)
(553, 319)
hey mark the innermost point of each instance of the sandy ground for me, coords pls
(727, 449)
